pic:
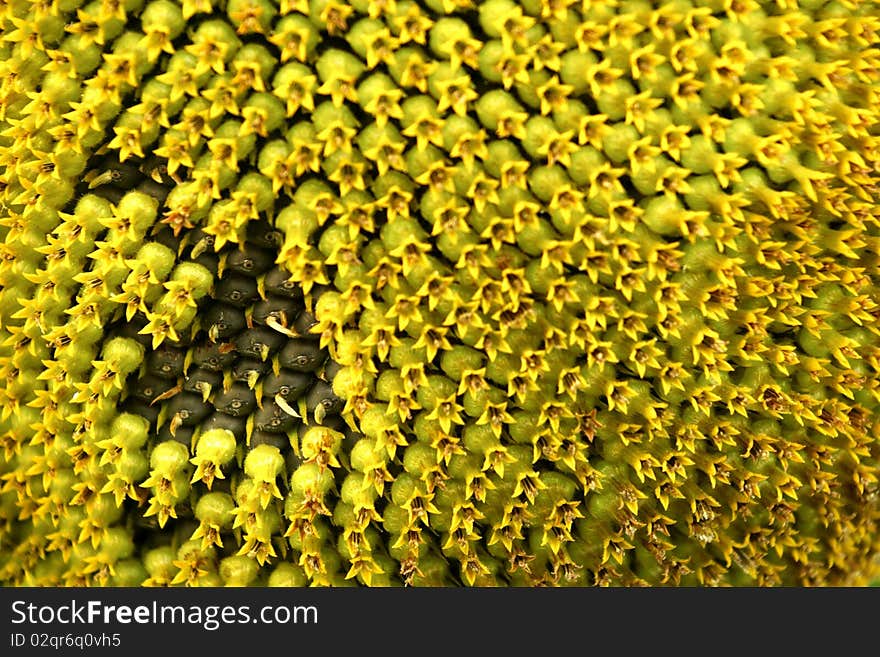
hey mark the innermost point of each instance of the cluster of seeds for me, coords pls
(439, 292)
(252, 380)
